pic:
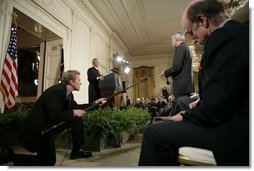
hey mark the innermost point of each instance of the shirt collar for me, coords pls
(68, 92)
(223, 23)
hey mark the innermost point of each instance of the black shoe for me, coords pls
(80, 154)
(6, 155)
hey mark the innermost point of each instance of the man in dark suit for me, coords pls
(56, 104)
(93, 76)
(181, 70)
(220, 120)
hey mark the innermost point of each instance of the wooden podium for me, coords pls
(110, 85)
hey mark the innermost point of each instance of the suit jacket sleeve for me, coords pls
(92, 75)
(178, 61)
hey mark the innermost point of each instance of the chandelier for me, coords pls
(231, 6)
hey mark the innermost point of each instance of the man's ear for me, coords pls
(202, 20)
(72, 82)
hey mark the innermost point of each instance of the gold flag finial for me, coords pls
(14, 18)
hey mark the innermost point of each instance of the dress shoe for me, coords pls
(80, 154)
(6, 155)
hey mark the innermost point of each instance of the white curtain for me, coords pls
(6, 8)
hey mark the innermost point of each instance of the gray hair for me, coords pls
(69, 76)
(179, 36)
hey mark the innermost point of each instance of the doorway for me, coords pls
(32, 40)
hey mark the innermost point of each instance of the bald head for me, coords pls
(185, 20)
(201, 17)
(213, 10)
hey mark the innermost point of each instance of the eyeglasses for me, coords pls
(192, 26)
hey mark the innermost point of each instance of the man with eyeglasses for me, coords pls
(220, 120)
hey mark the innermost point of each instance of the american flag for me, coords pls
(9, 79)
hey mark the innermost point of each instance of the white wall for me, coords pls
(159, 62)
(85, 35)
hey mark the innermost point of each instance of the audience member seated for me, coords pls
(167, 110)
(161, 104)
(153, 108)
(138, 103)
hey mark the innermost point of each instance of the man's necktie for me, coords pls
(98, 72)
(69, 99)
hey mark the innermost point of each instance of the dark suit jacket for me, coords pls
(93, 88)
(224, 93)
(181, 71)
(51, 108)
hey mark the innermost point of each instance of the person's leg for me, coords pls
(161, 142)
(181, 104)
(77, 131)
(46, 155)
(78, 140)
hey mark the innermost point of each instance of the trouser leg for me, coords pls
(46, 155)
(77, 130)
(161, 142)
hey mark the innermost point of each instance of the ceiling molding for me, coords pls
(89, 9)
(144, 26)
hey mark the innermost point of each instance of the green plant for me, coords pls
(13, 119)
(97, 123)
(11, 122)
(111, 121)
(139, 117)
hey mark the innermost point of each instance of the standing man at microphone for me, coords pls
(181, 69)
(93, 76)
(55, 105)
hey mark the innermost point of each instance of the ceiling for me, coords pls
(146, 26)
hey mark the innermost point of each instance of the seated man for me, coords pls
(220, 121)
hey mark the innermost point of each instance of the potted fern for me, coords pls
(10, 124)
(105, 126)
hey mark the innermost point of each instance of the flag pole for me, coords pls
(61, 70)
(9, 76)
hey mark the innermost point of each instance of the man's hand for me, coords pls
(78, 112)
(100, 101)
(177, 117)
(162, 73)
(101, 77)
(193, 104)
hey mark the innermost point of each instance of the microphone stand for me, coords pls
(44, 132)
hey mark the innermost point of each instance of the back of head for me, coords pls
(179, 36)
(211, 9)
(68, 76)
